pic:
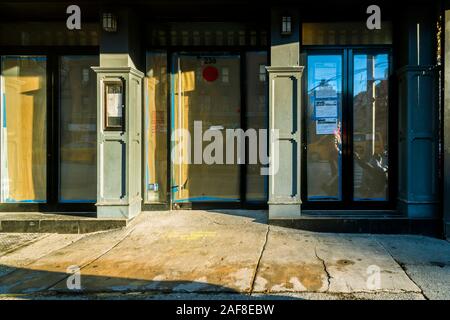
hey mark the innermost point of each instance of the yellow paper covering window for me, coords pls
(23, 135)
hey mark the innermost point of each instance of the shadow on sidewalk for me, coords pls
(258, 216)
(36, 284)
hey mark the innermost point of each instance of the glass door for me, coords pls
(370, 126)
(346, 128)
(77, 129)
(323, 127)
(206, 99)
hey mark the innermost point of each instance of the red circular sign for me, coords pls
(210, 73)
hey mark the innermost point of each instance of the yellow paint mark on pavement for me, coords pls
(191, 236)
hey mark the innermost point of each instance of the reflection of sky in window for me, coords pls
(360, 71)
(329, 75)
(333, 76)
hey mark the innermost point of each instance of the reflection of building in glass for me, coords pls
(370, 132)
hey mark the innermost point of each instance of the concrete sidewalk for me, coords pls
(222, 254)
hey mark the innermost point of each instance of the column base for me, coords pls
(119, 211)
(284, 211)
(422, 210)
(447, 230)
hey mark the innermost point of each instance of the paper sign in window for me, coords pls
(326, 108)
(326, 126)
(114, 105)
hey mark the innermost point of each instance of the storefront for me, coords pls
(358, 111)
(48, 118)
(213, 74)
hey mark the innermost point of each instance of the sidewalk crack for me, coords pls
(127, 234)
(324, 269)
(402, 265)
(255, 273)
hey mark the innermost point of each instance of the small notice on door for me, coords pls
(114, 104)
(326, 125)
(326, 108)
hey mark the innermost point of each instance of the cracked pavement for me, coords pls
(223, 254)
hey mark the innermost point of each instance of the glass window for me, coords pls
(23, 129)
(257, 118)
(48, 34)
(323, 127)
(206, 34)
(370, 126)
(78, 129)
(155, 126)
(345, 33)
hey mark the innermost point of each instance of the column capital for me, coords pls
(282, 69)
(119, 70)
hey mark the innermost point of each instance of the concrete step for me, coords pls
(19, 222)
(370, 224)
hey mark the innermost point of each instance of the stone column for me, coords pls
(418, 116)
(119, 151)
(285, 117)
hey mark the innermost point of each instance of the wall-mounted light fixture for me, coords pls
(286, 25)
(109, 22)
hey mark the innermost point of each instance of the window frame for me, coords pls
(52, 203)
(347, 202)
(243, 203)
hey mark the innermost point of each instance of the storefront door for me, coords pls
(206, 93)
(346, 128)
